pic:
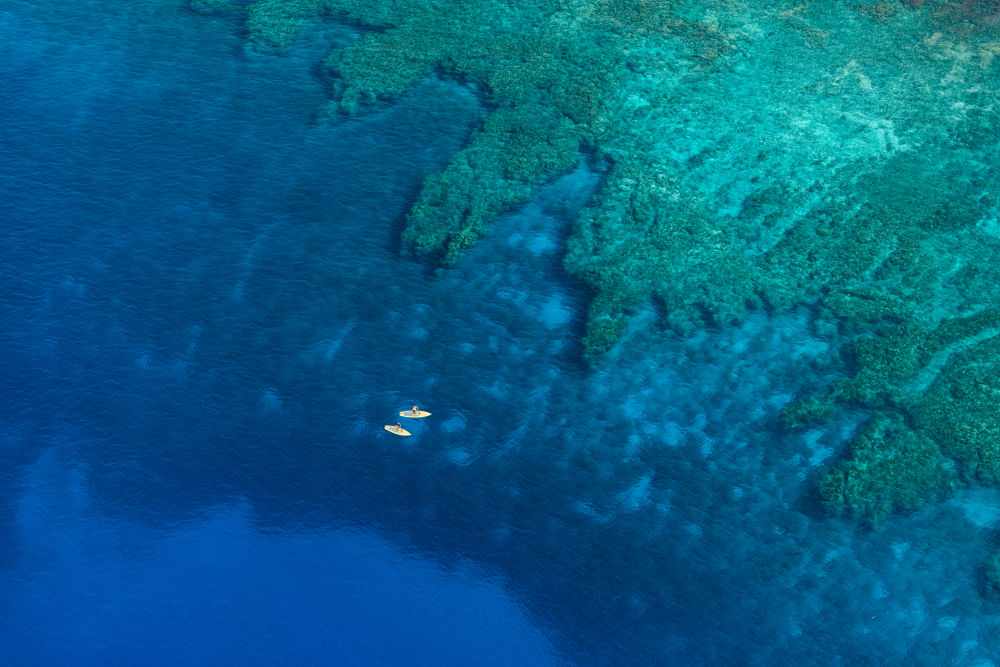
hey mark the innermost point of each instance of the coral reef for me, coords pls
(777, 155)
(277, 22)
(891, 468)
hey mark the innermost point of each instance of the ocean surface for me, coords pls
(206, 320)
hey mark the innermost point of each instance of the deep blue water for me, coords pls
(184, 251)
(205, 322)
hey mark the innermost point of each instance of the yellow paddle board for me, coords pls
(414, 415)
(397, 431)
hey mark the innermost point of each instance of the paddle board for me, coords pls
(414, 415)
(392, 429)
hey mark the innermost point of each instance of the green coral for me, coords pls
(806, 412)
(961, 410)
(644, 238)
(500, 168)
(606, 323)
(382, 65)
(277, 22)
(866, 305)
(884, 363)
(891, 468)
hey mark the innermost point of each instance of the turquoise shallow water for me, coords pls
(205, 322)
